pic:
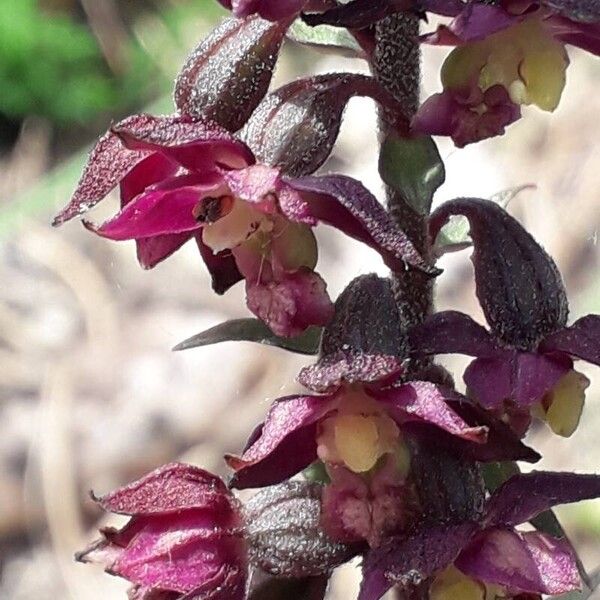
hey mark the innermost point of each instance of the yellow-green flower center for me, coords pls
(359, 434)
(562, 406)
(452, 584)
(525, 59)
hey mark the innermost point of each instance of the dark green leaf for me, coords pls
(413, 167)
(325, 37)
(254, 330)
(317, 473)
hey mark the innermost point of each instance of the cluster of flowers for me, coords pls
(393, 464)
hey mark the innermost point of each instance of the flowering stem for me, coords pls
(396, 64)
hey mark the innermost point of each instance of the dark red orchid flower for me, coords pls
(524, 363)
(184, 178)
(509, 53)
(487, 556)
(183, 540)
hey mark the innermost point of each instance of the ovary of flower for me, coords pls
(525, 59)
(235, 226)
(451, 584)
(358, 435)
(562, 406)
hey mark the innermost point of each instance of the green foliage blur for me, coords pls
(51, 65)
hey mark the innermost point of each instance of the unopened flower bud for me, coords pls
(295, 127)
(518, 284)
(227, 75)
(284, 532)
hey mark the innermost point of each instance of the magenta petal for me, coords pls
(291, 304)
(452, 332)
(180, 552)
(520, 377)
(170, 488)
(427, 402)
(158, 212)
(152, 250)
(195, 143)
(527, 562)
(523, 497)
(581, 340)
(108, 162)
(152, 170)
(411, 560)
(284, 444)
(346, 204)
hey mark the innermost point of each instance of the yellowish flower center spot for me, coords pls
(451, 584)
(562, 406)
(235, 226)
(359, 435)
(525, 59)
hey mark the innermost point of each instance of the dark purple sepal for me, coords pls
(221, 266)
(502, 443)
(426, 402)
(296, 126)
(108, 162)
(525, 496)
(194, 143)
(170, 488)
(226, 76)
(546, 565)
(335, 370)
(347, 205)
(283, 445)
(450, 488)
(410, 561)
(452, 332)
(518, 284)
(285, 534)
(581, 340)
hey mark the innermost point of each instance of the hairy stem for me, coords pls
(396, 64)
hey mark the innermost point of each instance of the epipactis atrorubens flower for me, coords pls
(358, 420)
(183, 539)
(184, 178)
(524, 363)
(487, 557)
(508, 54)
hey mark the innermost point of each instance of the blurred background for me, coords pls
(90, 394)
